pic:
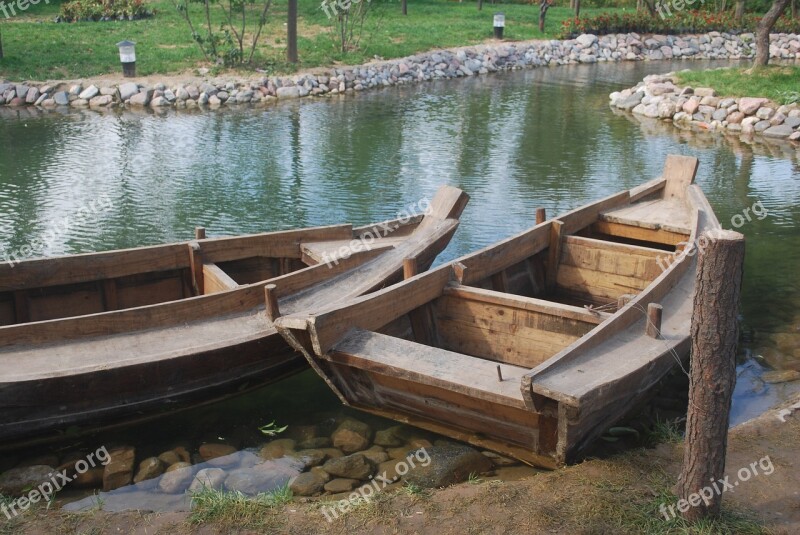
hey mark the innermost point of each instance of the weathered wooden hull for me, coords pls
(533, 346)
(201, 336)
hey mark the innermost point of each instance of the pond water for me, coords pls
(514, 142)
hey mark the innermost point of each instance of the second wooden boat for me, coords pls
(94, 338)
(533, 346)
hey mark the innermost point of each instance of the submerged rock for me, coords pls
(307, 484)
(150, 468)
(352, 436)
(354, 466)
(18, 480)
(177, 478)
(119, 470)
(446, 465)
(208, 478)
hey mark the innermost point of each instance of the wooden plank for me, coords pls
(679, 172)
(58, 271)
(421, 364)
(637, 233)
(21, 307)
(605, 287)
(42, 306)
(500, 281)
(597, 257)
(531, 304)
(614, 246)
(648, 188)
(281, 244)
(110, 301)
(216, 280)
(553, 255)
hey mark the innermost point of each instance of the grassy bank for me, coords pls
(36, 48)
(776, 82)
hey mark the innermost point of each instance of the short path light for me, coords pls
(499, 24)
(127, 55)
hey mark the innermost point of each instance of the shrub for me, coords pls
(104, 10)
(680, 22)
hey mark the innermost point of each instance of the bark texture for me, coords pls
(763, 29)
(715, 333)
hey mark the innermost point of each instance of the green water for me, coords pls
(514, 142)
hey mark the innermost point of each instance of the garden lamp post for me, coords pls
(499, 24)
(127, 56)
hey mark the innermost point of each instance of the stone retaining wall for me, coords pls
(434, 65)
(661, 97)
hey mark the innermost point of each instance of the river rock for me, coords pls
(119, 470)
(128, 90)
(787, 342)
(332, 453)
(749, 105)
(315, 443)
(213, 450)
(376, 455)
(61, 98)
(288, 92)
(208, 478)
(780, 131)
(630, 102)
(89, 93)
(311, 457)
(691, 106)
(33, 95)
(704, 92)
(100, 101)
(352, 436)
(341, 484)
(176, 479)
(760, 126)
(448, 465)
(91, 479)
(264, 477)
(277, 448)
(388, 437)
(792, 122)
(354, 466)
(782, 376)
(735, 118)
(16, 481)
(765, 113)
(141, 99)
(307, 484)
(150, 468)
(171, 457)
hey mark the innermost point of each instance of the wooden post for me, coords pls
(459, 272)
(271, 299)
(199, 233)
(410, 267)
(499, 374)
(405, 7)
(715, 331)
(653, 327)
(553, 255)
(541, 216)
(623, 300)
(196, 265)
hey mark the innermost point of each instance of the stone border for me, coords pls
(658, 97)
(433, 65)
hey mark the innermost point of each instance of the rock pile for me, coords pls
(662, 97)
(434, 65)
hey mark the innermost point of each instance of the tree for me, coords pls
(739, 13)
(762, 31)
(291, 32)
(544, 5)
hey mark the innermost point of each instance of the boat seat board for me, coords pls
(671, 215)
(386, 355)
(322, 251)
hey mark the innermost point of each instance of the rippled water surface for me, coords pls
(90, 181)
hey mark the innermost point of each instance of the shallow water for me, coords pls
(514, 142)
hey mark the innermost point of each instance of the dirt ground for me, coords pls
(620, 494)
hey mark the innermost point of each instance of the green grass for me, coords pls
(37, 48)
(665, 432)
(235, 508)
(776, 82)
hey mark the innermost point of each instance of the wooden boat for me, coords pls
(95, 337)
(535, 345)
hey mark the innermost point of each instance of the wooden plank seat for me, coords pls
(323, 251)
(387, 355)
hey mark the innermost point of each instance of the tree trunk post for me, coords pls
(405, 7)
(544, 5)
(739, 12)
(715, 332)
(291, 32)
(762, 31)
